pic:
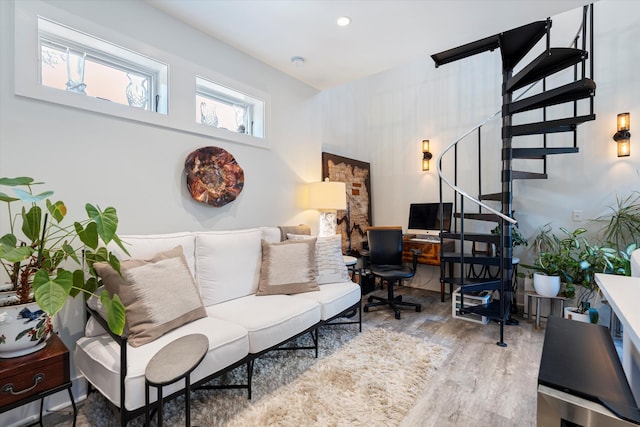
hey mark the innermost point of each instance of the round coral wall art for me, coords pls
(213, 176)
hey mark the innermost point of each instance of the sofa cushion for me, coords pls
(228, 264)
(270, 319)
(334, 298)
(271, 234)
(330, 265)
(98, 359)
(146, 246)
(288, 267)
(158, 294)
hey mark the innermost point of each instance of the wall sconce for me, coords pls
(426, 155)
(623, 136)
(328, 197)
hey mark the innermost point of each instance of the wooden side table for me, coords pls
(34, 376)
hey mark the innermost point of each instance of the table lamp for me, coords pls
(327, 197)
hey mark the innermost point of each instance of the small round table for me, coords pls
(174, 362)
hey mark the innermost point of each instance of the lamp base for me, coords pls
(328, 223)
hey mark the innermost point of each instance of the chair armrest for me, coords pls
(416, 254)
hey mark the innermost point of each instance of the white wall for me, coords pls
(383, 118)
(138, 168)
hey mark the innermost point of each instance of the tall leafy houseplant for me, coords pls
(576, 261)
(42, 258)
(621, 227)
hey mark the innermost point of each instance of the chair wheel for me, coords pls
(370, 299)
(398, 315)
(419, 309)
(366, 309)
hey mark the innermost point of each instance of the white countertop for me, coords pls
(623, 293)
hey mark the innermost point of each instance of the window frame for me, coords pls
(217, 92)
(180, 85)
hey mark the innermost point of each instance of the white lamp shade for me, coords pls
(327, 196)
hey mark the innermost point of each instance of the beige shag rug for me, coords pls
(369, 379)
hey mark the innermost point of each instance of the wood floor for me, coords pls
(480, 385)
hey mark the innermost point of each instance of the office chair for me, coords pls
(385, 262)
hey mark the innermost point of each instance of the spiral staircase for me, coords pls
(467, 269)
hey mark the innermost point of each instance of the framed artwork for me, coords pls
(352, 222)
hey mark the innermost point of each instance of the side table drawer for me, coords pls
(25, 376)
(30, 382)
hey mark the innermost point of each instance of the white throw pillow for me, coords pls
(329, 261)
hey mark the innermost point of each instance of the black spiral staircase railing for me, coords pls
(514, 45)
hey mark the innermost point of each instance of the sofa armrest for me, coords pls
(122, 342)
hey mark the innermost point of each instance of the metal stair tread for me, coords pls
(479, 216)
(541, 152)
(474, 237)
(549, 62)
(513, 44)
(470, 258)
(528, 175)
(496, 197)
(516, 43)
(491, 310)
(549, 126)
(466, 50)
(574, 91)
(469, 281)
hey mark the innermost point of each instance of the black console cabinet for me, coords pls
(581, 381)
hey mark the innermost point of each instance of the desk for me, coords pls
(623, 294)
(430, 254)
(430, 250)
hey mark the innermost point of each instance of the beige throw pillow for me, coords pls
(288, 267)
(330, 267)
(159, 294)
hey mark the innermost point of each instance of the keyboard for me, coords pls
(426, 239)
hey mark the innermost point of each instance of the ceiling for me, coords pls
(383, 33)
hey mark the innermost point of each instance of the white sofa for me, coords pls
(240, 325)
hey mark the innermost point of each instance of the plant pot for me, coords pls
(572, 313)
(24, 329)
(547, 286)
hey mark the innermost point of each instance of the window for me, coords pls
(79, 63)
(224, 108)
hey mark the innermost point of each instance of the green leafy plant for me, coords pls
(622, 226)
(517, 239)
(576, 261)
(38, 250)
(555, 256)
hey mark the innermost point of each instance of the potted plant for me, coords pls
(43, 264)
(555, 263)
(575, 261)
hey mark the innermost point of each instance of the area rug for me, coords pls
(371, 379)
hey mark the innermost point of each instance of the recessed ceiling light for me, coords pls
(343, 21)
(298, 61)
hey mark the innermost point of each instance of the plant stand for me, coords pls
(529, 297)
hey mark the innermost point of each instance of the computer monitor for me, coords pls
(424, 218)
